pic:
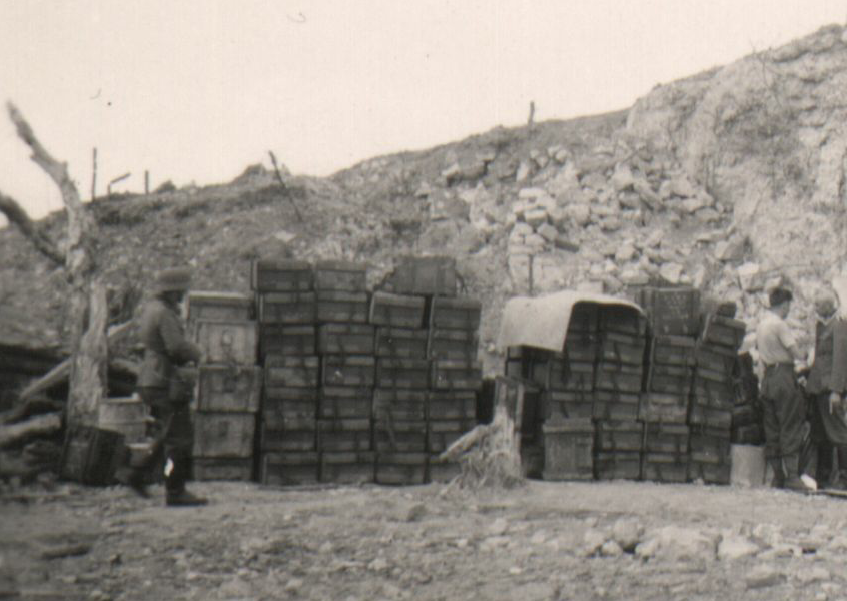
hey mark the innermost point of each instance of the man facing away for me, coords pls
(782, 400)
(163, 388)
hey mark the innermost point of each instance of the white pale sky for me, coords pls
(195, 90)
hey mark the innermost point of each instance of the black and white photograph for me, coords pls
(428, 300)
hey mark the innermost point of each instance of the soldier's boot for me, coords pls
(176, 475)
(792, 471)
(778, 475)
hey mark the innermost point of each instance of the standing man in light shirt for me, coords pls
(782, 400)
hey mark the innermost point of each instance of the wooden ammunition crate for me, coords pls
(227, 341)
(672, 311)
(710, 473)
(620, 465)
(346, 339)
(752, 434)
(585, 318)
(622, 348)
(91, 455)
(568, 449)
(401, 343)
(673, 350)
(558, 404)
(711, 392)
(281, 275)
(286, 433)
(617, 377)
(400, 435)
(709, 444)
(723, 331)
(289, 468)
(215, 305)
(233, 469)
(615, 406)
(460, 313)
(345, 402)
(340, 275)
(442, 471)
(452, 404)
(348, 370)
(342, 306)
(287, 307)
(282, 339)
(397, 310)
(715, 358)
(453, 344)
(706, 415)
(670, 439)
(677, 385)
(581, 347)
(400, 404)
(341, 435)
(456, 374)
(619, 436)
(658, 407)
(224, 434)
(424, 275)
(745, 414)
(442, 433)
(556, 374)
(402, 373)
(292, 402)
(665, 468)
(291, 371)
(353, 467)
(229, 388)
(622, 319)
(401, 468)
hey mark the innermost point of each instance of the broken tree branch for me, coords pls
(284, 187)
(36, 426)
(15, 214)
(120, 178)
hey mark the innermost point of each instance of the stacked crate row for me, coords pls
(713, 398)
(361, 388)
(228, 385)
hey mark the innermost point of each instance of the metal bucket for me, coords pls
(748, 466)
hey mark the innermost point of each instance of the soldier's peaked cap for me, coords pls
(175, 279)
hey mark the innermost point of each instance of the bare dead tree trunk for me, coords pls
(87, 308)
(94, 173)
(16, 214)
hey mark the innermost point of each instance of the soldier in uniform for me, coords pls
(782, 401)
(827, 384)
(164, 389)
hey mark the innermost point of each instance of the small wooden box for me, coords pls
(290, 468)
(620, 465)
(710, 473)
(424, 275)
(619, 377)
(224, 434)
(401, 343)
(290, 308)
(673, 350)
(581, 347)
(400, 404)
(340, 275)
(400, 435)
(345, 402)
(723, 331)
(281, 275)
(657, 407)
(716, 358)
(91, 455)
(284, 434)
(397, 310)
(228, 388)
(665, 468)
(342, 435)
(233, 469)
(219, 306)
(619, 436)
(291, 371)
(568, 449)
(232, 342)
(442, 433)
(556, 374)
(710, 445)
(615, 406)
(342, 306)
(282, 339)
(561, 405)
(346, 339)
(707, 415)
(453, 344)
(402, 373)
(401, 468)
(622, 319)
(621, 348)
(291, 402)
(671, 439)
(354, 467)
(452, 374)
(348, 370)
(672, 311)
(459, 313)
(451, 405)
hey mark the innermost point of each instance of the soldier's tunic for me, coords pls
(162, 387)
(782, 401)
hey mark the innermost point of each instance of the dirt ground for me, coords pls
(425, 542)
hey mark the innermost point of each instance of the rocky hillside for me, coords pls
(730, 180)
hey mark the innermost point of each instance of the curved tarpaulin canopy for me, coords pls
(543, 321)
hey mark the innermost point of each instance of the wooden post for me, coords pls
(120, 178)
(146, 182)
(531, 120)
(283, 186)
(94, 173)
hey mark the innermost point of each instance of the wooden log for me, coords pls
(33, 406)
(40, 425)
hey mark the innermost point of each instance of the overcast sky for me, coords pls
(195, 90)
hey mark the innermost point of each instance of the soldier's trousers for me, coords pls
(784, 411)
(173, 437)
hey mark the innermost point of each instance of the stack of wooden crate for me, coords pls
(228, 385)
(712, 399)
(287, 308)
(618, 384)
(664, 408)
